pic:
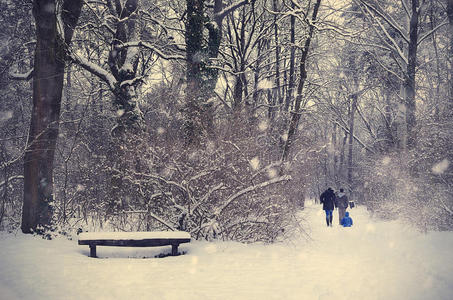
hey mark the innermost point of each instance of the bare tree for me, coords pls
(303, 76)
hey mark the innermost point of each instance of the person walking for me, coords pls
(328, 202)
(342, 202)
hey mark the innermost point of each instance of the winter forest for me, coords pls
(221, 117)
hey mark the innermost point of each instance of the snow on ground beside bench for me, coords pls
(372, 260)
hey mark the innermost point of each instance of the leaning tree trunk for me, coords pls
(48, 78)
(303, 76)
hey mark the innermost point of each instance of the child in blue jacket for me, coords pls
(346, 221)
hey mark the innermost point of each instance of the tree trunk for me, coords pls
(277, 56)
(201, 79)
(450, 51)
(292, 59)
(240, 83)
(351, 141)
(409, 85)
(48, 79)
(335, 153)
(303, 76)
(123, 63)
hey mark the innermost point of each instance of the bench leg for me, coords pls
(174, 250)
(92, 250)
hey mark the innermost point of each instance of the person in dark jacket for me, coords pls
(346, 221)
(342, 202)
(328, 202)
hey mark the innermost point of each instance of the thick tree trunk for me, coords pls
(201, 78)
(303, 76)
(48, 79)
(196, 55)
(123, 62)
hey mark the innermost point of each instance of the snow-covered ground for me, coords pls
(372, 260)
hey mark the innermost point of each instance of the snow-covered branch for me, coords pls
(429, 33)
(248, 190)
(354, 136)
(12, 178)
(388, 19)
(207, 195)
(225, 11)
(149, 46)
(132, 82)
(160, 220)
(22, 76)
(391, 40)
(95, 69)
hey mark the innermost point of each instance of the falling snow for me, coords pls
(263, 125)
(5, 115)
(272, 173)
(255, 163)
(160, 130)
(265, 84)
(386, 160)
(441, 167)
(120, 112)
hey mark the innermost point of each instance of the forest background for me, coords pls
(221, 117)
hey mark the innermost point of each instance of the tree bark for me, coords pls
(292, 59)
(277, 56)
(123, 62)
(201, 79)
(48, 76)
(351, 140)
(409, 85)
(196, 55)
(450, 51)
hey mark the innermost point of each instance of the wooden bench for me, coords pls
(134, 239)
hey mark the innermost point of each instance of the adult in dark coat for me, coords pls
(329, 203)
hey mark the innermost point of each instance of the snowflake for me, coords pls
(386, 160)
(6, 115)
(120, 112)
(255, 163)
(272, 173)
(265, 84)
(263, 125)
(160, 130)
(441, 167)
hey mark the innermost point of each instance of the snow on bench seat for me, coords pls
(134, 239)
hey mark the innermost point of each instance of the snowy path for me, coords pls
(372, 260)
